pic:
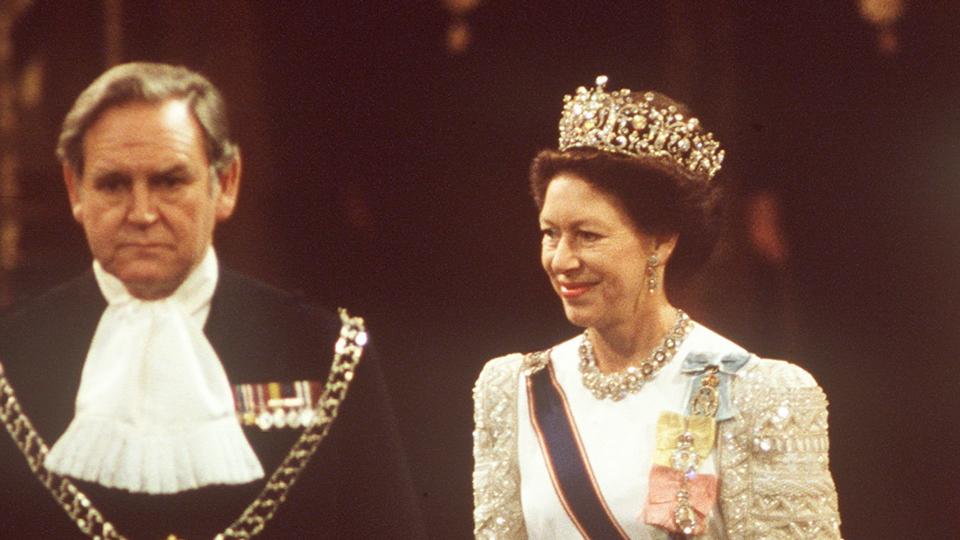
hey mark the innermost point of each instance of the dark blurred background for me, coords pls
(386, 146)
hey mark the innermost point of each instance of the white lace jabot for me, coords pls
(154, 412)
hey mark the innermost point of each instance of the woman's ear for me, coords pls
(664, 246)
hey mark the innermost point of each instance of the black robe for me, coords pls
(356, 486)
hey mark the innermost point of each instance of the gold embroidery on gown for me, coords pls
(773, 456)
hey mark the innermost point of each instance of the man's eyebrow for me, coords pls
(175, 170)
(102, 176)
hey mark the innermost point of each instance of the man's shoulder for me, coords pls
(259, 330)
(78, 298)
(44, 340)
(245, 294)
(81, 288)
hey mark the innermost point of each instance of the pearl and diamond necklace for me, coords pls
(617, 385)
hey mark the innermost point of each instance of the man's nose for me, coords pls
(143, 210)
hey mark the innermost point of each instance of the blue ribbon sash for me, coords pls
(566, 459)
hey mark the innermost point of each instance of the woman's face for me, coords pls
(594, 255)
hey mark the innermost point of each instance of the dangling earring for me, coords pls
(652, 263)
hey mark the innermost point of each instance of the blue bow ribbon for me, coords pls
(696, 363)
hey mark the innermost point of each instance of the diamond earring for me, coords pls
(652, 263)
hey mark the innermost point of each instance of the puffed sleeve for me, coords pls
(496, 476)
(776, 480)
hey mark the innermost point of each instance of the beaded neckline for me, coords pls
(615, 386)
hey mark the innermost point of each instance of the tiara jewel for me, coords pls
(627, 123)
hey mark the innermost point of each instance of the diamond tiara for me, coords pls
(626, 123)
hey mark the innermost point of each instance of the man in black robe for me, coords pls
(103, 365)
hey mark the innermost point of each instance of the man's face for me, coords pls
(147, 199)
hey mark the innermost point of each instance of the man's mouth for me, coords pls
(144, 246)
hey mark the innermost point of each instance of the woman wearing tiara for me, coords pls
(647, 425)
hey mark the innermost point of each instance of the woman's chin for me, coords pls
(579, 316)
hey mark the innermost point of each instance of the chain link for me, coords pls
(90, 521)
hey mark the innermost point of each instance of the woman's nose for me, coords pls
(565, 257)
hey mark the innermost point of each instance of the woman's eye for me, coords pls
(588, 236)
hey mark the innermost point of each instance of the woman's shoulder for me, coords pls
(501, 366)
(497, 376)
(783, 403)
(761, 371)
(506, 362)
(510, 365)
(770, 391)
(777, 374)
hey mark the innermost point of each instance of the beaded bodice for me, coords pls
(773, 455)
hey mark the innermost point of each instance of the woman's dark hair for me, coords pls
(659, 197)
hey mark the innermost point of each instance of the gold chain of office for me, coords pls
(256, 516)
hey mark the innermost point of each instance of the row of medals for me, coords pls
(278, 412)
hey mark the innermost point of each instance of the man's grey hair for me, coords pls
(150, 83)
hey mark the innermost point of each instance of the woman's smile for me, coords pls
(573, 290)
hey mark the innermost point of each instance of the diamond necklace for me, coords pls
(618, 384)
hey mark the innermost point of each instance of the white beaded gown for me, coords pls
(771, 458)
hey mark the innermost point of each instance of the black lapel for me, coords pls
(264, 335)
(248, 326)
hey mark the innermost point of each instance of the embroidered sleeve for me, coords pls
(496, 475)
(776, 476)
